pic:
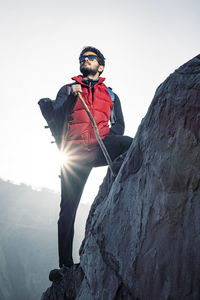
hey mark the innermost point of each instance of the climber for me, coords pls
(74, 135)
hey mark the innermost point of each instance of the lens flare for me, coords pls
(73, 159)
(62, 158)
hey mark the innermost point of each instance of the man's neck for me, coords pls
(93, 77)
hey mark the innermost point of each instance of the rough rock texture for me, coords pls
(142, 236)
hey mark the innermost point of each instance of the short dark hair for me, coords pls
(100, 57)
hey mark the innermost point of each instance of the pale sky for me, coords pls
(143, 42)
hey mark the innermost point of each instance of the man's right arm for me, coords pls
(66, 99)
(55, 109)
(61, 98)
(54, 112)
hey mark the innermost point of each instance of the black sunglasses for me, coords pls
(90, 57)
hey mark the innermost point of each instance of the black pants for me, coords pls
(73, 179)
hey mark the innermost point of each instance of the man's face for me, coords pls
(90, 67)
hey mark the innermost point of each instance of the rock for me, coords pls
(65, 287)
(142, 235)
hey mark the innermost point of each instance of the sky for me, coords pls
(143, 42)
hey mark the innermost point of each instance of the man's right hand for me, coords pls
(76, 88)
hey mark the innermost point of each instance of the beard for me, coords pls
(85, 70)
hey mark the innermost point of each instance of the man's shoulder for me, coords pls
(111, 93)
(65, 88)
(63, 94)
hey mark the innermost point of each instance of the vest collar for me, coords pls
(80, 80)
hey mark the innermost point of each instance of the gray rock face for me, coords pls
(142, 235)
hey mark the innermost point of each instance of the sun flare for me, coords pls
(69, 157)
(62, 158)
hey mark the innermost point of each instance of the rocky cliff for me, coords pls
(142, 235)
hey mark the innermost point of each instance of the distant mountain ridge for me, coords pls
(28, 239)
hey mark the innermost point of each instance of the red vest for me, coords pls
(80, 129)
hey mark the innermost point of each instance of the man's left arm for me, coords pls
(118, 127)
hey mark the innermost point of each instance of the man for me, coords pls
(75, 136)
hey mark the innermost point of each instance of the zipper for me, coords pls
(91, 109)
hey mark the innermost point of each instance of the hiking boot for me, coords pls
(58, 274)
(116, 164)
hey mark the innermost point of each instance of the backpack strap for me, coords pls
(70, 104)
(112, 113)
(69, 88)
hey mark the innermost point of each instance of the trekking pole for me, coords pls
(96, 131)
